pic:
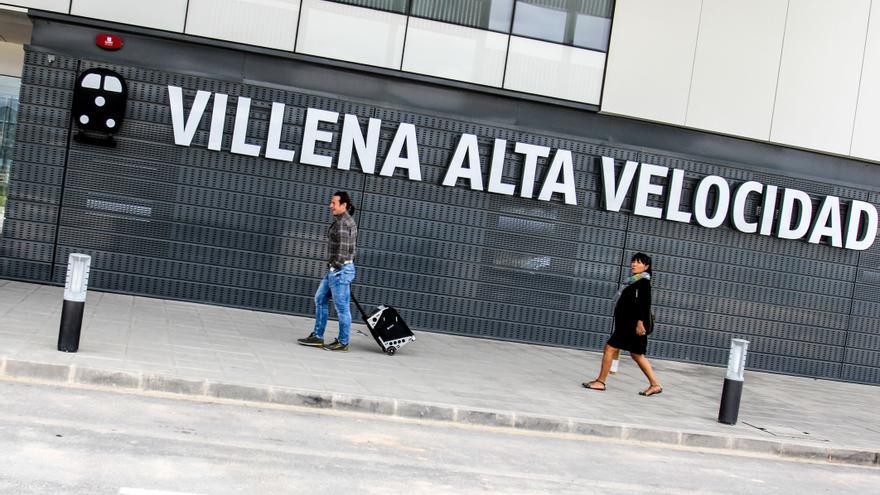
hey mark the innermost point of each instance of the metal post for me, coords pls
(74, 301)
(733, 382)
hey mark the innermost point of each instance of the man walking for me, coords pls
(341, 241)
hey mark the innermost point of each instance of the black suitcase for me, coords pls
(387, 327)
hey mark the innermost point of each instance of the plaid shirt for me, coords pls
(341, 240)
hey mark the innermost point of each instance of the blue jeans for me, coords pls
(336, 285)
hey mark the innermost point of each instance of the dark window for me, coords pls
(582, 23)
(493, 15)
(9, 89)
(398, 6)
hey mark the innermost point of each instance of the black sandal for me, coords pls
(587, 386)
(648, 391)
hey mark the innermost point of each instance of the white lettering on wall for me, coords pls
(791, 226)
(218, 121)
(614, 192)
(795, 215)
(273, 142)
(185, 129)
(404, 138)
(562, 165)
(721, 203)
(673, 203)
(239, 131)
(530, 165)
(645, 188)
(366, 149)
(768, 210)
(793, 219)
(312, 134)
(738, 208)
(859, 210)
(467, 149)
(496, 169)
(827, 223)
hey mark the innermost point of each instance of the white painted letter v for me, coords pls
(614, 194)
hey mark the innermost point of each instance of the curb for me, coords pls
(152, 382)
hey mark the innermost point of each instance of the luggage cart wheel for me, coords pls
(391, 350)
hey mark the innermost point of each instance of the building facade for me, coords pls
(507, 157)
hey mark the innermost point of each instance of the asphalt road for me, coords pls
(82, 441)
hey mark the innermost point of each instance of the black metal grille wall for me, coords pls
(190, 223)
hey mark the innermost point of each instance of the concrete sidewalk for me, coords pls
(194, 349)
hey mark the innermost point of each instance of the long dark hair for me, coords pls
(645, 260)
(345, 199)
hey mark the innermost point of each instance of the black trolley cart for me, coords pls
(387, 327)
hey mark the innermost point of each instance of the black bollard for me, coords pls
(733, 382)
(74, 302)
(71, 324)
(730, 397)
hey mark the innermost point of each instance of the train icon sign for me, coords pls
(99, 100)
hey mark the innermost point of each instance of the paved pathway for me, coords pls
(153, 344)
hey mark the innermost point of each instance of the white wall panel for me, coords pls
(269, 23)
(559, 71)
(351, 33)
(736, 65)
(866, 134)
(53, 5)
(650, 59)
(455, 52)
(11, 59)
(168, 15)
(819, 74)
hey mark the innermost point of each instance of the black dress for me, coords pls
(634, 305)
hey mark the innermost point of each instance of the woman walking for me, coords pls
(632, 316)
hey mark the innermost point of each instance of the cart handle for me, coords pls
(359, 307)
